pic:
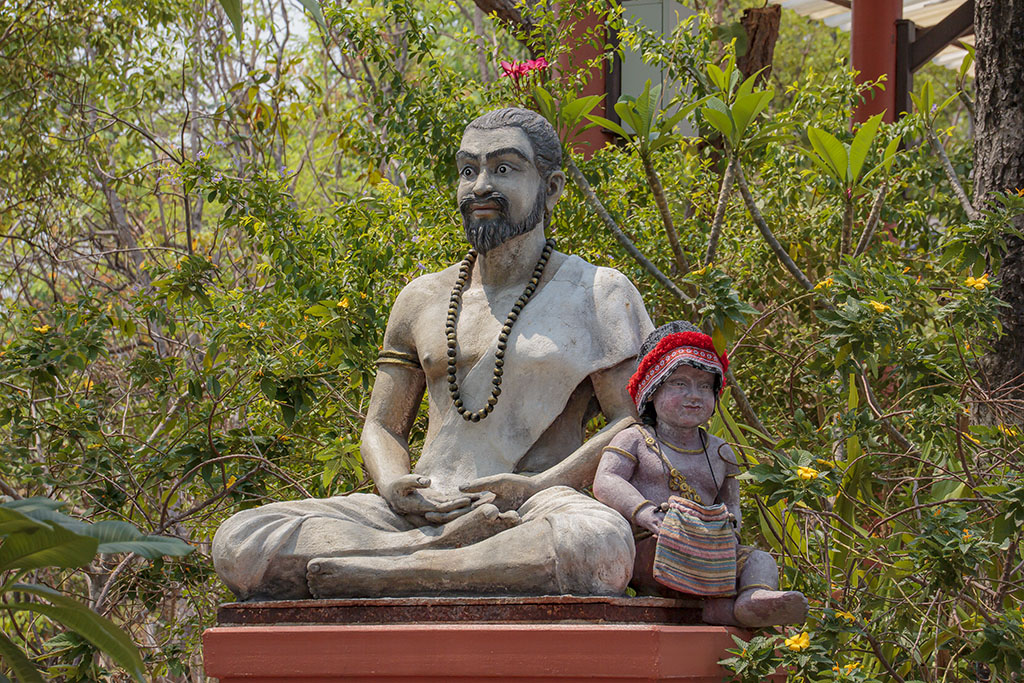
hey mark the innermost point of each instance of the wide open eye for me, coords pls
(503, 168)
(466, 172)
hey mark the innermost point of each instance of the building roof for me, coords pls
(924, 13)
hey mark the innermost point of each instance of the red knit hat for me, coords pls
(672, 348)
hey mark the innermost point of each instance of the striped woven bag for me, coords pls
(696, 551)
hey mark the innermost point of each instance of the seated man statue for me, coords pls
(528, 345)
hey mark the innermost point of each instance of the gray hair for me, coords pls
(547, 148)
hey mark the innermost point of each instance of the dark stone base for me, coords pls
(538, 609)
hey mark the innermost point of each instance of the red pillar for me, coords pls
(873, 53)
(589, 141)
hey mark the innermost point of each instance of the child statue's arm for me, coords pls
(729, 492)
(612, 487)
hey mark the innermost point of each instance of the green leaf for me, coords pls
(12, 522)
(610, 125)
(718, 77)
(861, 146)
(112, 536)
(719, 116)
(746, 107)
(831, 151)
(23, 669)
(546, 104)
(573, 112)
(55, 547)
(122, 537)
(233, 8)
(313, 7)
(74, 615)
(628, 114)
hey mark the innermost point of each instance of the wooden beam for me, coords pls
(932, 40)
(903, 79)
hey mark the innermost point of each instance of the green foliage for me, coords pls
(203, 244)
(34, 536)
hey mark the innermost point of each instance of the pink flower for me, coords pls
(516, 70)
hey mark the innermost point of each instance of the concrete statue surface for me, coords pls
(517, 348)
(669, 456)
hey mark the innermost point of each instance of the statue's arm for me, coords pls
(578, 469)
(729, 493)
(613, 488)
(394, 402)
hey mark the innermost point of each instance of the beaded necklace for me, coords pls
(454, 303)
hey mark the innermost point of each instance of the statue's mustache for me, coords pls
(474, 201)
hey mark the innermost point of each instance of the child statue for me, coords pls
(668, 465)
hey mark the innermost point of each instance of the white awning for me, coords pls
(924, 13)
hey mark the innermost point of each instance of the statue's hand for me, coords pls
(510, 490)
(650, 518)
(411, 496)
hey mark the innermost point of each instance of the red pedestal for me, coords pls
(462, 652)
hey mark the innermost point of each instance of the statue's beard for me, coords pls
(488, 233)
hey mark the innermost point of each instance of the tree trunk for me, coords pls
(999, 165)
(762, 27)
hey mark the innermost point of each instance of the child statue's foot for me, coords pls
(760, 607)
(719, 611)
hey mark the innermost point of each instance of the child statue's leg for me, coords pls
(760, 602)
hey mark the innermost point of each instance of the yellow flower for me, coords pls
(967, 534)
(362, 295)
(979, 283)
(343, 303)
(245, 326)
(878, 306)
(825, 284)
(971, 438)
(806, 473)
(799, 642)
(231, 481)
(94, 446)
(847, 615)
(261, 324)
(1007, 431)
(42, 330)
(906, 270)
(1020, 191)
(850, 668)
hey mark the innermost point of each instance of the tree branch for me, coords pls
(682, 263)
(876, 211)
(723, 201)
(947, 166)
(595, 205)
(766, 232)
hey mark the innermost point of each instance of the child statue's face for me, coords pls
(686, 399)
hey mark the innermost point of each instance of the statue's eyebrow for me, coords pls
(463, 155)
(509, 150)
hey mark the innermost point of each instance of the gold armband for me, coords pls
(632, 516)
(398, 358)
(619, 451)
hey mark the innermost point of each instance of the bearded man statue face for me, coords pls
(505, 188)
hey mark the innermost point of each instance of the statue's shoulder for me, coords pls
(426, 288)
(615, 304)
(630, 439)
(723, 450)
(610, 287)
